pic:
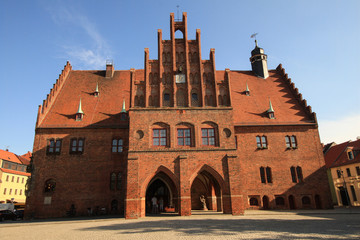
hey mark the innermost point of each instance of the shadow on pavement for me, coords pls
(335, 227)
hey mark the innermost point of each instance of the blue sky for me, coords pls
(317, 43)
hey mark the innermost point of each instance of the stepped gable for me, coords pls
(50, 98)
(337, 155)
(101, 111)
(287, 102)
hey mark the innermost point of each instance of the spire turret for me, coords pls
(247, 91)
(96, 93)
(258, 61)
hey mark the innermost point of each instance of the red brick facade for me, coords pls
(186, 130)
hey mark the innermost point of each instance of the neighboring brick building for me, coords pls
(13, 177)
(177, 129)
(343, 163)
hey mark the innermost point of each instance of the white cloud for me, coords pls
(340, 130)
(90, 57)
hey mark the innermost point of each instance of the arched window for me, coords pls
(190, 57)
(210, 78)
(290, 141)
(195, 57)
(204, 77)
(117, 145)
(50, 185)
(112, 181)
(168, 57)
(166, 98)
(196, 78)
(194, 99)
(191, 78)
(118, 182)
(164, 57)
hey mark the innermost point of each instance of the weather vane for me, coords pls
(253, 35)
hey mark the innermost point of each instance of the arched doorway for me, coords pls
(265, 201)
(292, 202)
(164, 190)
(205, 188)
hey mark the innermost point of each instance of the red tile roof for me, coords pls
(98, 111)
(337, 155)
(9, 156)
(252, 109)
(104, 110)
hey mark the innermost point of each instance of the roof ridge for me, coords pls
(295, 91)
(50, 98)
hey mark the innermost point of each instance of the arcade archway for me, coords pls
(205, 186)
(164, 190)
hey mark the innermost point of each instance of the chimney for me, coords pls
(109, 69)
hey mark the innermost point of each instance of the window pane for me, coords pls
(180, 132)
(156, 132)
(163, 141)
(163, 133)
(293, 141)
(120, 149)
(81, 142)
(212, 141)
(114, 149)
(204, 132)
(73, 149)
(51, 143)
(187, 132)
(114, 142)
(205, 141)
(73, 142)
(180, 141)
(156, 141)
(287, 140)
(80, 149)
(293, 174)
(211, 132)
(187, 142)
(258, 142)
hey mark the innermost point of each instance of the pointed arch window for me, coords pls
(112, 181)
(296, 174)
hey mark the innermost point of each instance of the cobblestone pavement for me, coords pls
(327, 224)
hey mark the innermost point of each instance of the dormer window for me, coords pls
(350, 155)
(79, 114)
(271, 111)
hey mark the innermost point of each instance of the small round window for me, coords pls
(139, 134)
(227, 132)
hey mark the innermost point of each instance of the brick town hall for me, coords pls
(108, 141)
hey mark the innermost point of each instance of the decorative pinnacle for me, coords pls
(80, 109)
(271, 109)
(123, 107)
(247, 88)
